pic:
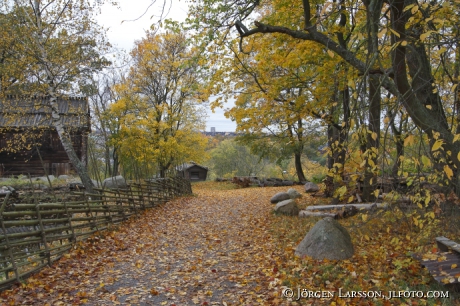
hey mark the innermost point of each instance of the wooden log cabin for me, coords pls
(193, 171)
(29, 144)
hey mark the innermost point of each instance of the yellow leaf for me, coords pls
(404, 43)
(350, 199)
(364, 217)
(456, 137)
(352, 84)
(367, 237)
(408, 140)
(409, 7)
(374, 135)
(331, 54)
(458, 156)
(395, 33)
(428, 106)
(424, 36)
(448, 171)
(436, 145)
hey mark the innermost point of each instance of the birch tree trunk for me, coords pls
(39, 40)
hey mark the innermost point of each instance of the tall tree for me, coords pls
(160, 100)
(60, 46)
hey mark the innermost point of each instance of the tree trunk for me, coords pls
(399, 151)
(55, 114)
(67, 144)
(373, 9)
(298, 167)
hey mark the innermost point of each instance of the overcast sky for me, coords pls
(124, 30)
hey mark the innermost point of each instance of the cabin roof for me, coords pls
(27, 112)
(186, 166)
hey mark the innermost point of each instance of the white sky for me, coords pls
(124, 34)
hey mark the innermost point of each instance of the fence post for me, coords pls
(8, 245)
(69, 219)
(90, 212)
(43, 234)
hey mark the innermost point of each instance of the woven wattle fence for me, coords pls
(33, 236)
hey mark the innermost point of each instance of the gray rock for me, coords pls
(76, 183)
(311, 187)
(287, 183)
(44, 179)
(287, 207)
(114, 182)
(294, 194)
(280, 196)
(4, 190)
(64, 177)
(327, 239)
(95, 183)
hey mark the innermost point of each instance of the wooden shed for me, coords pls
(193, 171)
(28, 142)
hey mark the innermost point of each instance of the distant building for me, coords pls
(227, 134)
(213, 131)
(193, 171)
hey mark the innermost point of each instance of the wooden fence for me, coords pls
(33, 236)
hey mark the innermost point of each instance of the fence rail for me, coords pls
(33, 236)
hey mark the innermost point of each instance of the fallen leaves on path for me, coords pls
(227, 247)
(211, 249)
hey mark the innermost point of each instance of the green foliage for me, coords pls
(230, 159)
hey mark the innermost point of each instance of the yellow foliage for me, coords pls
(158, 112)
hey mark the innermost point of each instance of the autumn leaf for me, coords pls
(448, 171)
(437, 145)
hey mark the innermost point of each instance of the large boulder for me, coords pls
(280, 196)
(76, 183)
(311, 187)
(287, 207)
(294, 194)
(4, 190)
(45, 179)
(326, 240)
(114, 182)
(95, 183)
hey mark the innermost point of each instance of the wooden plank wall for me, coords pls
(53, 155)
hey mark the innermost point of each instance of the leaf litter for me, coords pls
(226, 247)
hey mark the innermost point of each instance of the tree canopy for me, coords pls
(373, 64)
(159, 109)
